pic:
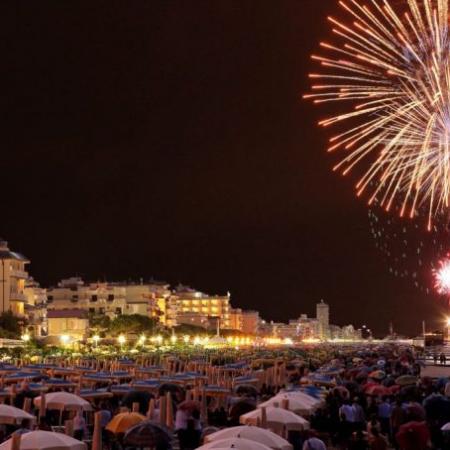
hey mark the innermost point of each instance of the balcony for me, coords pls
(19, 274)
(17, 297)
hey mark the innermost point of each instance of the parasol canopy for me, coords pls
(148, 434)
(122, 422)
(64, 401)
(46, 440)
(9, 415)
(234, 444)
(256, 434)
(277, 419)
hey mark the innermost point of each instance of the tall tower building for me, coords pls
(12, 280)
(323, 317)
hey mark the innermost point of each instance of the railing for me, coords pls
(19, 273)
(17, 296)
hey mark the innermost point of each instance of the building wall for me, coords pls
(323, 316)
(250, 322)
(74, 327)
(191, 301)
(12, 280)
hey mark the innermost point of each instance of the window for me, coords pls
(118, 311)
(110, 297)
(101, 310)
(92, 310)
(49, 298)
(94, 298)
(74, 298)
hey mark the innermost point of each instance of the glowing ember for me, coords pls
(442, 277)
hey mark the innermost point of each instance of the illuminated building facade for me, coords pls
(323, 317)
(190, 301)
(12, 280)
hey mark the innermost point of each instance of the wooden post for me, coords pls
(97, 434)
(263, 417)
(162, 410)
(68, 424)
(169, 411)
(135, 407)
(27, 404)
(15, 441)
(42, 406)
(151, 409)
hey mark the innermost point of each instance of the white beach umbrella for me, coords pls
(256, 434)
(64, 401)
(235, 444)
(46, 440)
(446, 427)
(277, 419)
(296, 404)
(11, 415)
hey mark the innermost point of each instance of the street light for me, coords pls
(142, 340)
(25, 337)
(96, 338)
(121, 339)
(173, 339)
(64, 338)
(159, 339)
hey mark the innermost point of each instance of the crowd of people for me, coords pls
(371, 399)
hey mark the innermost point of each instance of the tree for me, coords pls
(10, 325)
(133, 323)
(99, 323)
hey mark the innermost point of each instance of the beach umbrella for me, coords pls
(169, 387)
(412, 435)
(277, 419)
(64, 401)
(246, 389)
(148, 434)
(124, 421)
(377, 375)
(446, 427)
(406, 380)
(234, 444)
(10, 415)
(141, 397)
(377, 390)
(46, 440)
(256, 434)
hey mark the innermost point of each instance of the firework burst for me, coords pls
(442, 277)
(391, 71)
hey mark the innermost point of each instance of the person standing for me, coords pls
(384, 415)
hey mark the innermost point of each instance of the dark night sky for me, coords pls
(169, 139)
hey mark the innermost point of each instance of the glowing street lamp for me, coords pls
(96, 338)
(121, 339)
(65, 339)
(159, 339)
(142, 339)
(186, 339)
(25, 337)
(173, 339)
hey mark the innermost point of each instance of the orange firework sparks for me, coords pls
(392, 71)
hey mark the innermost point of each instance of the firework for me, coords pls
(442, 277)
(390, 70)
